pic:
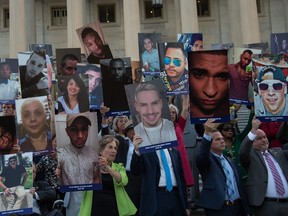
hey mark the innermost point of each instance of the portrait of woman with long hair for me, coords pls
(75, 97)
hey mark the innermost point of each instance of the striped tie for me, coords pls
(278, 181)
(230, 189)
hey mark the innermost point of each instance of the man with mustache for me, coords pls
(153, 129)
(175, 76)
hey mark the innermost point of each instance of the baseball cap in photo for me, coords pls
(271, 73)
(72, 117)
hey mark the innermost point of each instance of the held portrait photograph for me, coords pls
(34, 125)
(116, 73)
(270, 89)
(77, 150)
(174, 65)
(92, 39)
(33, 73)
(148, 53)
(150, 115)
(209, 86)
(16, 182)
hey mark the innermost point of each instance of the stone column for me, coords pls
(76, 18)
(22, 26)
(188, 15)
(234, 23)
(249, 22)
(131, 28)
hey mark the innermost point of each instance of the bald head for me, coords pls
(261, 142)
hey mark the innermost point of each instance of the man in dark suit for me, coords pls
(267, 170)
(156, 199)
(222, 193)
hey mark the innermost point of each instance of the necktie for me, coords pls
(230, 189)
(278, 182)
(167, 170)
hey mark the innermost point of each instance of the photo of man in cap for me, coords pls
(76, 161)
(271, 99)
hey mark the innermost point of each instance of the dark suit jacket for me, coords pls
(252, 160)
(148, 165)
(47, 196)
(214, 180)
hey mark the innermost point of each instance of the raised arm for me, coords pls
(246, 145)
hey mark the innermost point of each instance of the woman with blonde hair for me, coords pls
(112, 199)
(35, 126)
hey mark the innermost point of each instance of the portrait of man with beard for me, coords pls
(240, 77)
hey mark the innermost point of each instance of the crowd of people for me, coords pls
(144, 148)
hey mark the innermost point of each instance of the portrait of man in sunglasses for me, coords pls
(271, 99)
(175, 74)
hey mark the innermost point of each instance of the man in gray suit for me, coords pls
(267, 170)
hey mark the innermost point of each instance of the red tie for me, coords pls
(278, 181)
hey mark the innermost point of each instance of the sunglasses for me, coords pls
(277, 86)
(228, 128)
(12, 161)
(176, 62)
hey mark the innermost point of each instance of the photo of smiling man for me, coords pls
(271, 100)
(154, 127)
(174, 74)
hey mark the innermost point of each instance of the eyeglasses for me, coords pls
(12, 161)
(228, 128)
(277, 86)
(176, 62)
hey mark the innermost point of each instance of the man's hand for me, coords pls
(137, 141)
(32, 190)
(43, 83)
(209, 126)
(58, 171)
(103, 111)
(255, 125)
(7, 192)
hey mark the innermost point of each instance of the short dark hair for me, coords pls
(175, 46)
(196, 37)
(66, 57)
(89, 30)
(12, 157)
(41, 53)
(247, 51)
(116, 60)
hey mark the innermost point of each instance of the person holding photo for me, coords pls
(112, 199)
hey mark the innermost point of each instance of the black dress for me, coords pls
(104, 201)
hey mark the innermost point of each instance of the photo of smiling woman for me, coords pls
(33, 125)
(75, 98)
